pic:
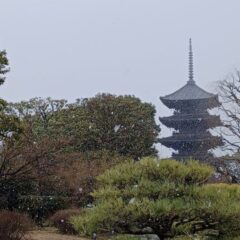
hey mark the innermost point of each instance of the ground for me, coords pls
(52, 234)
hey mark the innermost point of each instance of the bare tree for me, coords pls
(229, 93)
(28, 158)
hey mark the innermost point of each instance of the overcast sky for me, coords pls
(78, 48)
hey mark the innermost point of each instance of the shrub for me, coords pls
(39, 207)
(61, 220)
(168, 196)
(14, 226)
(76, 174)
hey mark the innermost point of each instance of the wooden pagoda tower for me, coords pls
(191, 121)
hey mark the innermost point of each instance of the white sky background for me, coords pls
(78, 48)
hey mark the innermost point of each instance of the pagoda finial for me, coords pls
(191, 77)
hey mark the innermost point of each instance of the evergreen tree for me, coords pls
(3, 66)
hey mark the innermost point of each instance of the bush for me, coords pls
(168, 196)
(61, 220)
(76, 174)
(39, 207)
(14, 226)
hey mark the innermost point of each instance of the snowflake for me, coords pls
(116, 128)
(132, 200)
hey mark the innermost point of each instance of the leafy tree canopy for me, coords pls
(122, 124)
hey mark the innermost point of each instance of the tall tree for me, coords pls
(10, 126)
(122, 124)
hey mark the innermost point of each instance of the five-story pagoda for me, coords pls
(191, 120)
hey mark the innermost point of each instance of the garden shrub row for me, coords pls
(40, 207)
(170, 197)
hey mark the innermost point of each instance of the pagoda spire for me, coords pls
(191, 76)
(191, 120)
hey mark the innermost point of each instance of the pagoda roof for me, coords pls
(179, 117)
(178, 140)
(190, 91)
(179, 121)
(190, 94)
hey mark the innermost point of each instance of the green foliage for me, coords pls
(219, 203)
(121, 124)
(166, 195)
(3, 66)
(9, 125)
(152, 178)
(39, 113)
(39, 207)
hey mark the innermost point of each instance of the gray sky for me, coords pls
(77, 48)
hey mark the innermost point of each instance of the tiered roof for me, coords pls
(206, 141)
(191, 119)
(190, 92)
(177, 121)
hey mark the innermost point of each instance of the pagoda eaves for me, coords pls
(191, 120)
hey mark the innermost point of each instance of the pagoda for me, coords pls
(191, 120)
